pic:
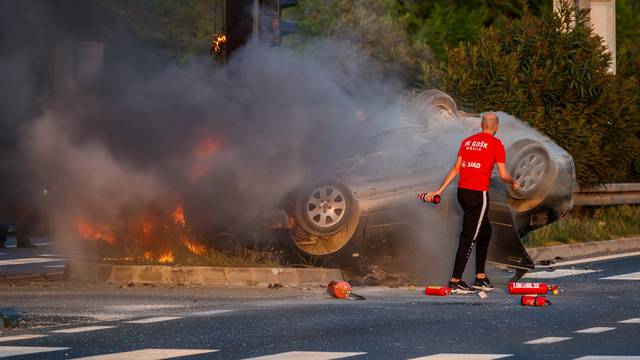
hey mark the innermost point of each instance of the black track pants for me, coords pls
(476, 229)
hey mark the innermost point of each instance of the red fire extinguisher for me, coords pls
(437, 290)
(435, 199)
(532, 288)
(534, 300)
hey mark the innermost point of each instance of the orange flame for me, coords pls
(194, 246)
(99, 232)
(166, 258)
(178, 215)
(218, 44)
(208, 146)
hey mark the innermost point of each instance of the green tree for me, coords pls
(552, 72)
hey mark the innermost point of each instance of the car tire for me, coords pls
(324, 208)
(437, 100)
(529, 163)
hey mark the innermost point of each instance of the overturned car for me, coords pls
(366, 212)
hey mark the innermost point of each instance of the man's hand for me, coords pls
(516, 185)
(431, 194)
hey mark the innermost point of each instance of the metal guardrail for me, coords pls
(608, 194)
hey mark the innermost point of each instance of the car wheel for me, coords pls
(437, 100)
(530, 165)
(325, 217)
(323, 209)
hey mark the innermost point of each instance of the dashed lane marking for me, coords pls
(557, 273)
(153, 320)
(20, 337)
(308, 355)
(3, 253)
(82, 329)
(463, 357)
(150, 354)
(547, 340)
(630, 276)
(209, 312)
(6, 351)
(608, 357)
(143, 307)
(594, 330)
(630, 321)
(36, 244)
(55, 266)
(592, 259)
(24, 261)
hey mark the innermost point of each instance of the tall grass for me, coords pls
(582, 225)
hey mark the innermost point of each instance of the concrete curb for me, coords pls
(593, 248)
(200, 275)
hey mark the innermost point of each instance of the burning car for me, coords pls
(366, 212)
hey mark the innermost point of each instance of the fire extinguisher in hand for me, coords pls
(423, 196)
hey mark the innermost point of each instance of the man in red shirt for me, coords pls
(476, 157)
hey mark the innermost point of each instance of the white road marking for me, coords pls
(630, 321)
(49, 255)
(20, 337)
(630, 276)
(588, 260)
(153, 320)
(24, 261)
(54, 266)
(608, 357)
(557, 273)
(6, 351)
(209, 312)
(150, 354)
(547, 340)
(143, 307)
(82, 329)
(594, 330)
(3, 253)
(308, 355)
(463, 357)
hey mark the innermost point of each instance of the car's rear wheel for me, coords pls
(325, 216)
(438, 101)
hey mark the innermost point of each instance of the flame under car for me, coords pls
(367, 212)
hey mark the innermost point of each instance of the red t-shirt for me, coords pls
(479, 153)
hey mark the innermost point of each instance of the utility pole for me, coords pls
(602, 19)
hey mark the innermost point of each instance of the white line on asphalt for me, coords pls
(463, 357)
(24, 261)
(3, 253)
(150, 354)
(557, 273)
(54, 266)
(82, 329)
(547, 340)
(608, 357)
(6, 351)
(20, 337)
(36, 244)
(588, 260)
(143, 307)
(153, 320)
(630, 276)
(630, 321)
(49, 255)
(594, 330)
(209, 312)
(308, 355)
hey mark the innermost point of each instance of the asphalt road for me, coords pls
(43, 259)
(592, 316)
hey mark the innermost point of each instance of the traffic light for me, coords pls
(271, 27)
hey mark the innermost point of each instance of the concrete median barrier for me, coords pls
(199, 275)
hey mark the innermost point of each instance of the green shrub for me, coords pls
(551, 71)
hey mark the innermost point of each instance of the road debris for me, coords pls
(483, 295)
(9, 316)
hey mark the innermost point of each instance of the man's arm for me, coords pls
(447, 179)
(506, 177)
